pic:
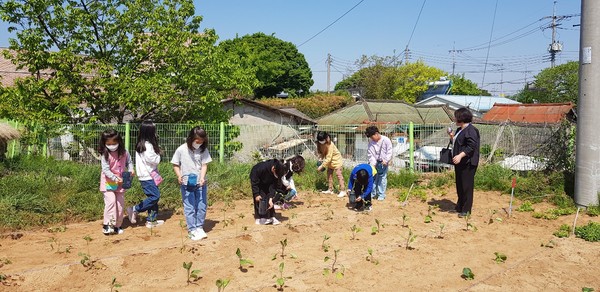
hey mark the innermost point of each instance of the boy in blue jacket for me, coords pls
(361, 184)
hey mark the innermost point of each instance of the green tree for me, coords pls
(106, 61)
(464, 86)
(413, 79)
(558, 84)
(278, 65)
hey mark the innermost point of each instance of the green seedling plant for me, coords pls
(500, 257)
(280, 280)
(334, 270)
(410, 239)
(468, 223)
(376, 229)
(371, 258)
(221, 284)
(429, 216)
(283, 244)
(114, 285)
(405, 218)
(549, 244)
(587, 289)
(525, 207)
(355, 230)
(191, 274)
(467, 274)
(564, 231)
(441, 235)
(491, 219)
(86, 258)
(324, 245)
(243, 262)
(183, 232)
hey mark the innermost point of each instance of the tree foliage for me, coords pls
(558, 84)
(314, 106)
(107, 61)
(413, 79)
(278, 64)
(464, 86)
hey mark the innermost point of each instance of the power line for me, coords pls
(306, 41)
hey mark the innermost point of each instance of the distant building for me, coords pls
(441, 87)
(530, 113)
(478, 104)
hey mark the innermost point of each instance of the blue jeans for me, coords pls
(150, 204)
(195, 201)
(380, 184)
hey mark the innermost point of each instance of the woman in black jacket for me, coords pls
(465, 156)
(264, 178)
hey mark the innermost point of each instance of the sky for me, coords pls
(444, 34)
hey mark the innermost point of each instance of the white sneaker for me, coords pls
(342, 194)
(261, 221)
(327, 192)
(118, 230)
(275, 221)
(154, 223)
(199, 232)
(269, 221)
(131, 215)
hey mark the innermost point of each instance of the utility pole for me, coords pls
(406, 53)
(587, 163)
(328, 71)
(454, 51)
(556, 47)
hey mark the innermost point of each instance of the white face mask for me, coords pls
(196, 145)
(323, 142)
(112, 147)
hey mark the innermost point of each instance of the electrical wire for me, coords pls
(314, 36)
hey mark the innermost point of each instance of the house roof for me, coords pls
(534, 113)
(478, 103)
(9, 72)
(386, 111)
(290, 112)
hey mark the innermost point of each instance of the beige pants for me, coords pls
(114, 203)
(340, 176)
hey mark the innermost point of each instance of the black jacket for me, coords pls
(468, 142)
(262, 179)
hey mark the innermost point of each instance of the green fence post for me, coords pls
(14, 142)
(127, 136)
(411, 145)
(222, 143)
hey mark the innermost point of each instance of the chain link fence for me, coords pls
(518, 147)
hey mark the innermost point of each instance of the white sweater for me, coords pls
(145, 162)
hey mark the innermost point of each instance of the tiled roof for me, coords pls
(535, 113)
(474, 102)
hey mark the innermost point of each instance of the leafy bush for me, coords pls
(589, 232)
(493, 177)
(314, 106)
(404, 178)
(525, 207)
(563, 231)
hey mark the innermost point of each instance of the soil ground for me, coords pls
(145, 261)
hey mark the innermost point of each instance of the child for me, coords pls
(147, 158)
(264, 178)
(190, 164)
(115, 160)
(331, 159)
(288, 191)
(360, 186)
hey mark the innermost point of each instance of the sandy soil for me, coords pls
(141, 261)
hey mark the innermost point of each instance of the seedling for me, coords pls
(525, 207)
(467, 274)
(492, 213)
(334, 269)
(587, 289)
(281, 279)
(5, 261)
(183, 232)
(404, 219)
(500, 257)
(429, 216)
(440, 236)
(549, 244)
(469, 224)
(325, 246)
(114, 285)
(191, 274)
(222, 283)
(376, 229)
(283, 244)
(563, 231)
(370, 257)
(243, 262)
(86, 260)
(355, 230)
(88, 239)
(410, 238)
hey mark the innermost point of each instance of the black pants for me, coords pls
(465, 181)
(358, 190)
(270, 212)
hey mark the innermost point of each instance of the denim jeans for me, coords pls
(195, 201)
(150, 204)
(380, 183)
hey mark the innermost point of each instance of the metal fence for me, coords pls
(519, 147)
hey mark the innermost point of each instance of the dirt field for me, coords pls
(141, 261)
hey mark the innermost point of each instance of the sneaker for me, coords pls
(154, 223)
(131, 215)
(327, 192)
(275, 221)
(199, 232)
(380, 198)
(118, 230)
(107, 230)
(367, 209)
(277, 207)
(261, 221)
(269, 221)
(342, 194)
(463, 214)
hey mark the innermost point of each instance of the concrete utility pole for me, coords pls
(454, 51)
(587, 166)
(556, 47)
(328, 71)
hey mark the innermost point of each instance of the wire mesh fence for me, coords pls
(518, 147)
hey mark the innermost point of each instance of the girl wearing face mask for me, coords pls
(115, 160)
(190, 163)
(331, 159)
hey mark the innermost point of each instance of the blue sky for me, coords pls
(384, 27)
